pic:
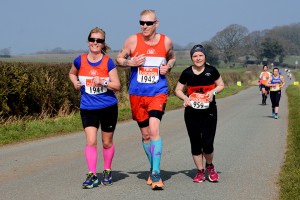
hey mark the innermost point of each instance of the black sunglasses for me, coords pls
(148, 23)
(98, 40)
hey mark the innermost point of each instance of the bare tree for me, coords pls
(211, 52)
(252, 42)
(5, 52)
(229, 40)
(288, 36)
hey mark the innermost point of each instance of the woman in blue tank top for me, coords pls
(275, 82)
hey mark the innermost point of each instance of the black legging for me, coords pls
(275, 98)
(201, 126)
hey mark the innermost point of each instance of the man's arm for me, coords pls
(171, 58)
(129, 46)
(123, 55)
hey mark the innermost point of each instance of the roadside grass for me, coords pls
(290, 172)
(27, 130)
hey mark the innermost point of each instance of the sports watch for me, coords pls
(105, 84)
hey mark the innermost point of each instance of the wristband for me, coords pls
(215, 92)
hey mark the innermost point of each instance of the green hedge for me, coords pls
(44, 89)
(31, 89)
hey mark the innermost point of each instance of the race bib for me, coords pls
(91, 89)
(275, 88)
(199, 101)
(148, 75)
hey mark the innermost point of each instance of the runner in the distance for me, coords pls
(152, 57)
(259, 85)
(203, 82)
(275, 82)
(264, 77)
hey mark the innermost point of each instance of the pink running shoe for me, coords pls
(212, 173)
(200, 176)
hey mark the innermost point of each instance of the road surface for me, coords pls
(249, 151)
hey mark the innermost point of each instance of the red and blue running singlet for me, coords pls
(146, 80)
(93, 97)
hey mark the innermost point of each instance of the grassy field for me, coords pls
(292, 59)
(49, 58)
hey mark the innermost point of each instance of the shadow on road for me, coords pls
(191, 173)
(165, 175)
(117, 175)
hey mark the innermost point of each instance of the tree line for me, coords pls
(235, 41)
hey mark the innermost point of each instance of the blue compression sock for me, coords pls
(156, 150)
(147, 148)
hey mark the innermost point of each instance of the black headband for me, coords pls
(197, 48)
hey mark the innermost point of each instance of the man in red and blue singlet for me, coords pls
(151, 58)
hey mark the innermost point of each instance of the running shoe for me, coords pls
(107, 177)
(273, 114)
(200, 176)
(149, 181)
(276, 116)
(212, 173)
(157, 183)
(90, 181)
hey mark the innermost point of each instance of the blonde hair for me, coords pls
(145, 12)
(106, 48)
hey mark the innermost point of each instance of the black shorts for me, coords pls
(266, 87)
(152, 113)
(107, 117)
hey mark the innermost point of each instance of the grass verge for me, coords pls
(290, 172)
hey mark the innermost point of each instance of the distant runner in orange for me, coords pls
(264, 77)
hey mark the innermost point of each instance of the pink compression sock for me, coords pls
(108, 155)
(91, 156)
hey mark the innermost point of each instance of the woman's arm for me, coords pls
(179, 93)
(73, 75)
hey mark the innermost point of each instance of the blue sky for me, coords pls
(34, 25)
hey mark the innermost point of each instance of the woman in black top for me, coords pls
(203, 82)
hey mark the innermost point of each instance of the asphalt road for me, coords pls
(249, 151)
